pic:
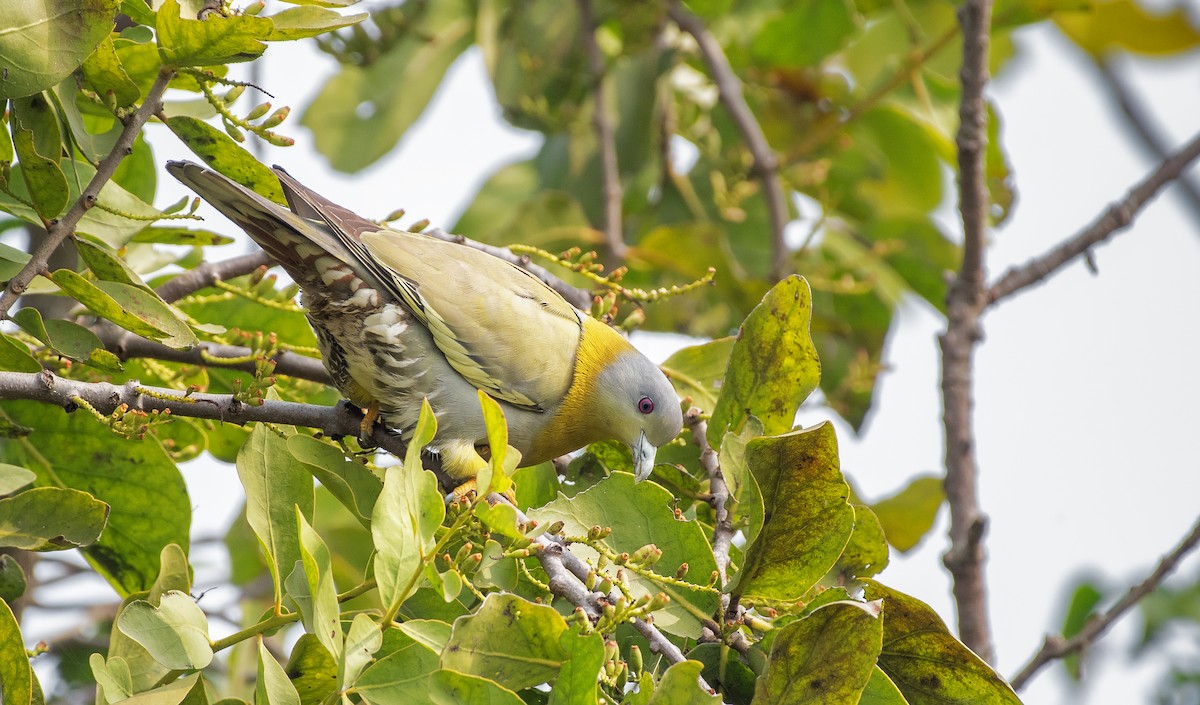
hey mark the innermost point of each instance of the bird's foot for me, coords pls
(468, 489)
(366, 427)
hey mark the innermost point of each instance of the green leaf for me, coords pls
(174, 693)
(362, 111)
(36, 114)
(112, 677)
(12, 579)
(174, 573)
(276, 484)
(400, 678)
(44, 180)
(403, 523)
(926, 662)
(584, 657)
(362, 641)
(323, 616)
(680, 685)
(492, 207)
(175, 632)
(130, 307)
(137, 174)
(220, 152)
(451, 688)
(1128, 25)
(103, 70)
(15, 673)
(181, 236)
(43, 42)
(214, 41)
(641, 514)
(107, 265)
(150, 506)
(68, 339)
(881, 690)
(804, 34)
(746, 509)
(808, 520)
(356, 487)
(826, 657)
(11, 259)
(273, 686)
(13, 478)
(509, 640)
(909, 514)
(1084, 601)
(866, 553)
(311, 670)
(51, 519)
(15, 356)
(309, 21)
(535, 485)
(773, 366)
(92, 135)
(698, 371)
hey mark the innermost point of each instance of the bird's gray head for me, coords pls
(641, 407)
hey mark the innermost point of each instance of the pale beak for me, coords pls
(643, 457)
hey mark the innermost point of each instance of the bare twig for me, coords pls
(766, 162)
(1056, 647)
(210, 273)
(964, 304)
(1141, 124)
(339, 420)
(606, 141)
(126, 346)
(579, 298)
(1118, 216)
(718, 491)
(63, 228)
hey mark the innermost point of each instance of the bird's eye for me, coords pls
(645, 405)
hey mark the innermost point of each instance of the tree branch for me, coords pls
(964, 304)
(63, 228)
(210, 273)
(1118, 216)
(718, 491)
(766, 162)
(46, 387)
(613, 232)
(1141, 124)
(1055, 648)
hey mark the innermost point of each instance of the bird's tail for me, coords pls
(295, 242)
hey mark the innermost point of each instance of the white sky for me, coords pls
(1085, 391)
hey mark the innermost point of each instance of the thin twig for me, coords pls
(766, 162)
(1141, 124)
(964, 304)
(579, 298)
(1117, 217)
(1055, 648)
(613, 232)
(63, 228)
(718, 491)
(210, 273)
(338, 420)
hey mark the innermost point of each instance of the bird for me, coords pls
(402, 317)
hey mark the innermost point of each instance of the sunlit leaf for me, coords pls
(43, 42)
(175, 632)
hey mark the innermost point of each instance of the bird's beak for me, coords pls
(643, 457)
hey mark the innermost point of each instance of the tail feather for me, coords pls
(286, 236)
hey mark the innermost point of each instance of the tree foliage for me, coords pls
(592, 588)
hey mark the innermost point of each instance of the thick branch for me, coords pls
(766, 163)
(613, 232)
(579, 298)
(63, 228)
(718, 491)
(1056, 647)
(48, 388)
(964, 304)
(210, 273)
(1141, 124)
(1118, 216)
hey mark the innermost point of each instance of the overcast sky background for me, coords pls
(1086, 387)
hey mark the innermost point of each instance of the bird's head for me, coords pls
(640, 407)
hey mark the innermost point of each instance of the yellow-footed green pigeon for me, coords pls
(402, 317)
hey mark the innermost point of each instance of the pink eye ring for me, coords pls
(645, 405)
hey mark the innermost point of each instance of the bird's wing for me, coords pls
(499, 327)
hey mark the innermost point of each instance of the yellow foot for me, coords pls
(468, 488)
(367, 425)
